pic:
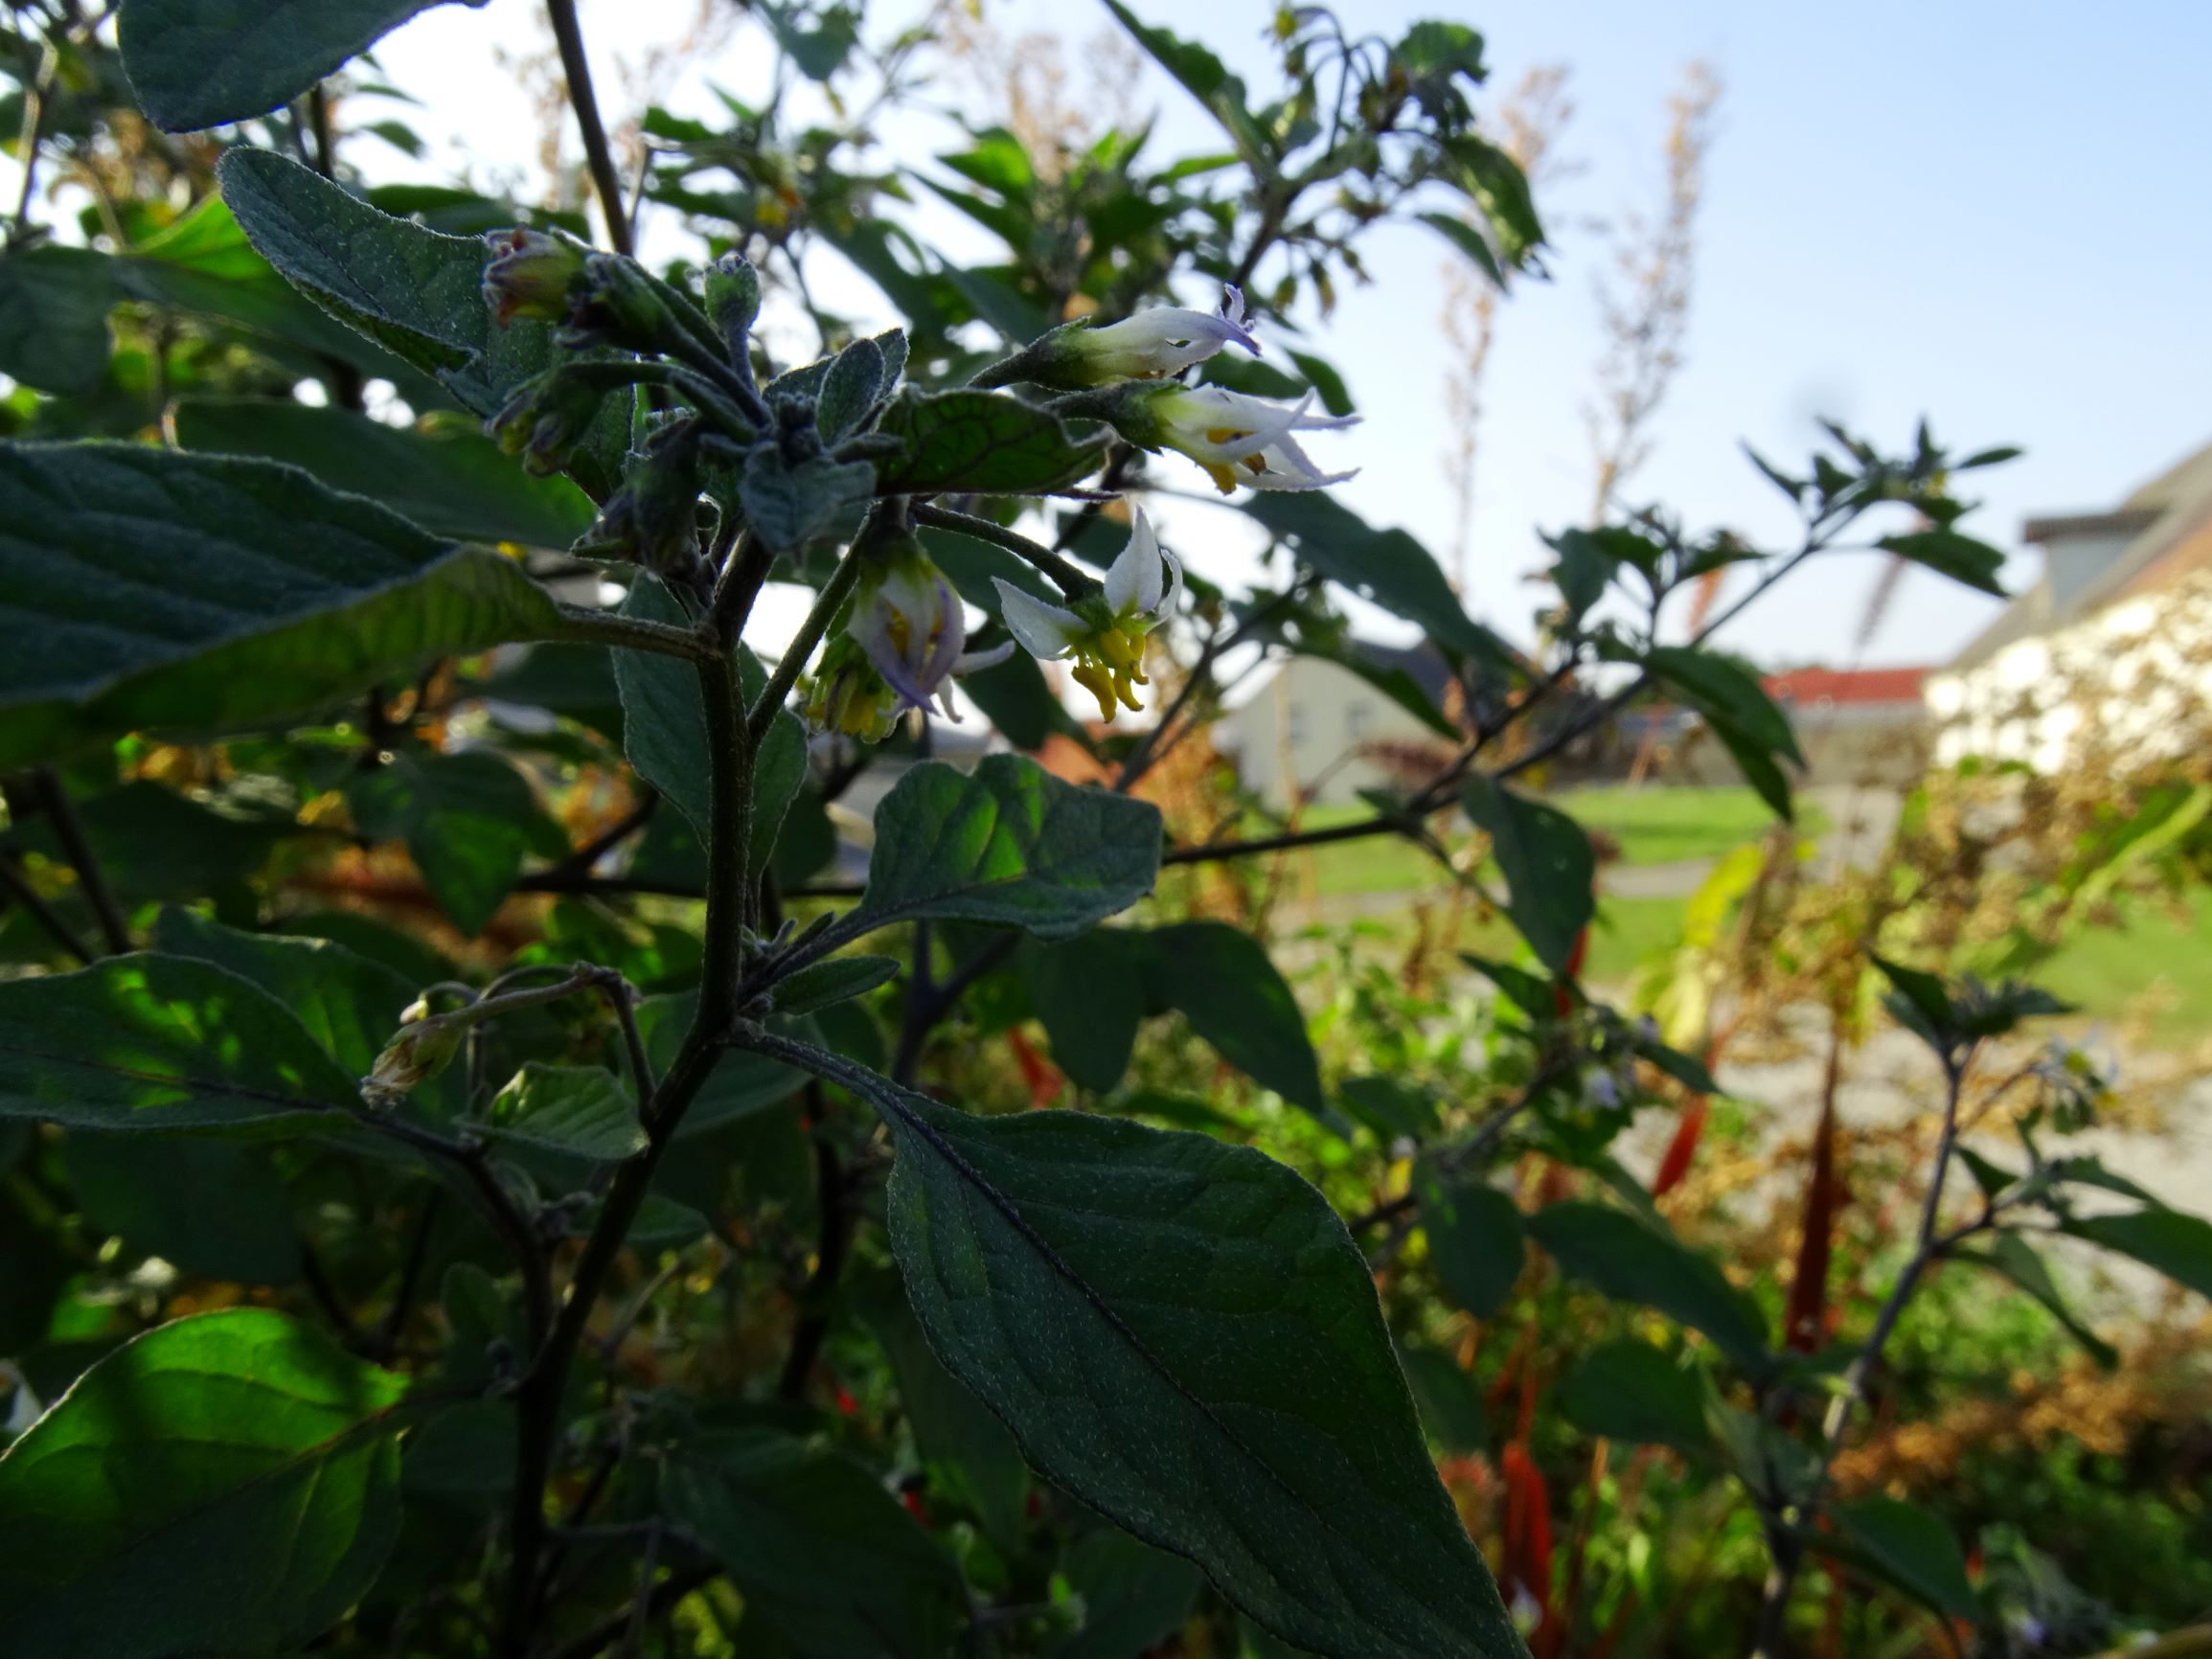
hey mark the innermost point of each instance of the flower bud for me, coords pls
(423, 1049)
(654, 516)
(733, 294)
(532, 274)
(548, 415)
(619, 304)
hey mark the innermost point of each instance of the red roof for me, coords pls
(1836, 686)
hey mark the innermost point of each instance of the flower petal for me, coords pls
(1132, 581)
(1044, 630)
(1166, 608)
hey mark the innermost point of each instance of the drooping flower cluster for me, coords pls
(903, 641)
(1105, 632)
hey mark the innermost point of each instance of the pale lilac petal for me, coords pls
(975, 662)
(1044, 630)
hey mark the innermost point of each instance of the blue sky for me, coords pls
(1976, 211)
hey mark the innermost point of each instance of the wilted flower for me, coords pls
(424, 1047)
(904, 640)
(1237, 439)
(1104, 633)
(532, 274)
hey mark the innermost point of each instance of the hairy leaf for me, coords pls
(146, 1041)
(583, 1110)
(1221, 980)
(1913, 1549)
(198, 63)
(1182, 1335)
(1010, 845)
(822, 1550)
(980, 443)
(451, 482)
(224, 1483)
(144, 588)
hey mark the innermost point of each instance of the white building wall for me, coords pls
(2133, 682)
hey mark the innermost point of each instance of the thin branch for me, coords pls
(1071, 579)
(585, 625)
(659, 1599)
(575, 69)
(788, 667)
(69, 830)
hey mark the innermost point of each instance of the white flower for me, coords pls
(1236, 438)
(1106, 633)
(905, 641)
(1164, 340)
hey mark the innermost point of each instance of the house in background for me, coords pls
(1319, 734)
(1855, 726)
(2110, 649)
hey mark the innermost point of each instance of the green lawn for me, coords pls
(2154, 959)
(1658, 825)
(1652, 826)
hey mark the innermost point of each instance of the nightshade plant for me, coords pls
(503, 1303)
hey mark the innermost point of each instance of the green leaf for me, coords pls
(1914, 1550)
(980, 443)
(1550, 872)
(1945, 551)
(1010, 845)
(1727, 695)
(1451, 1404)
(832, 980)
(54, 305)
(1633, 1261)
(1220, 978)
(161, 1042)
(813, 1543)
(1475, 1240)
(1628, 1390)
(349, 1005)
(451, 480)
(1390, 1107)
(2176, 1244)
(664, 728)
(2011, 1255)
(1203, 76)
(954, 1432)
(468, 820)
(196, 63)
(151, 589)
(1090, 993)
(741, 1085)
(211, 1207)
(155, 841)
(1386, 566)
(1134, 1597)
(415, 292)
(1468, 240)
(789, 506)
(1181, 1335)
(850, 388)
(583, 1110)
(223, 1483)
